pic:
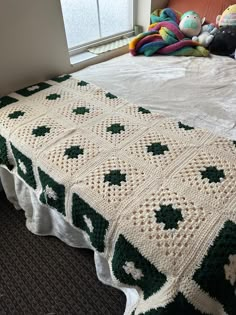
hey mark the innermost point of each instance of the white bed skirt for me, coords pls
(45, 221)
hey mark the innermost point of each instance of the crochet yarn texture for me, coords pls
(155, 197)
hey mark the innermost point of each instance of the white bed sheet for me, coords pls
(198, 91)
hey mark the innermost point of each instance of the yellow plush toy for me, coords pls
(228, 17)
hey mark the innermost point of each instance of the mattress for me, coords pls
(198, 91)
(154, 197)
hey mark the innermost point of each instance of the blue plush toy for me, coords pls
(206, 36)
(233, 55)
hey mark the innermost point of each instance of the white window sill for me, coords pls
(85, 59)
(81, 57)
(100, 53)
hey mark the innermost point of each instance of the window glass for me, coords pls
(82, 18)
(115, 18)
(81, 21)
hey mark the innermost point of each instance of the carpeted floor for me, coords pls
(41, 275)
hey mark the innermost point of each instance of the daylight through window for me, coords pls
(89, 21)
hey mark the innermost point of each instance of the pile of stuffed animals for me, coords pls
(220, 39)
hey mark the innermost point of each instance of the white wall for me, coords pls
(144, 8)
(32, 43)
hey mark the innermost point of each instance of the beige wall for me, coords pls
(143, 13)
(32, 43)
(159, 4)
(144, 8)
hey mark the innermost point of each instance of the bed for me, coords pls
(134, 158)
(154, 195)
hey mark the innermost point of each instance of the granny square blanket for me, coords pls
(154, 196)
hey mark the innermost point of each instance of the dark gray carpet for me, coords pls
(41, 275)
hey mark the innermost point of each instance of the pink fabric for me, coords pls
(169, 49)
(171, 27)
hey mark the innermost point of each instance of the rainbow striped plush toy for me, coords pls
(228, 17)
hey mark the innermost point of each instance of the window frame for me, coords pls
(104, 40)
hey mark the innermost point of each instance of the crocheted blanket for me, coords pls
(165, 38)
(154, 196)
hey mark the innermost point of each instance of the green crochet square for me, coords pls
(143, 110)
(3, 153)
(82, 83)
(24, 167)
(88, 220)
(111, 96)
(16, 114)
(180, 306)
(185, 127)
(7, 100)
(216, 274)
(30, 90)
(53, 194)
(131, 268)
(62, 78)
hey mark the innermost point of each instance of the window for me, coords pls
(89, 21)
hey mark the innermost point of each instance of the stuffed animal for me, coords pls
(228, 17)
(191, 24)
(233, 55)
(206, 36)
(224, 41)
